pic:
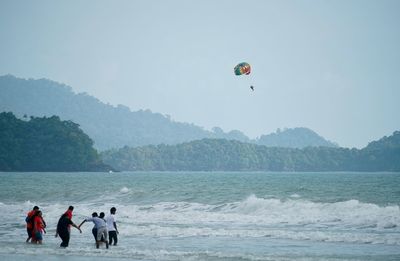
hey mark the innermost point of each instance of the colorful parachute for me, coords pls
(242, 68)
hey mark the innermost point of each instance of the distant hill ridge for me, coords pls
(230, 155)
(391, 142)
(115, 127)
(294, 138)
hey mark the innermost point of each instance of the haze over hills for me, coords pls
(115, 127)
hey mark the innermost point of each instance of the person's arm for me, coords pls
(82, 223)
(44, 222)
(72, 224)
(116, 229)
(43, 225)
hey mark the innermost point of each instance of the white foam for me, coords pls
(297, 219)
(124, 190)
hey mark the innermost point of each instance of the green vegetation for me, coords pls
(115, 127)
(45, 144)
(224, 155)
(294, 138)
(50, 144)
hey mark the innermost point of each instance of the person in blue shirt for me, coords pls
(101, 227)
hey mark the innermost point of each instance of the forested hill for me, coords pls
(391, 142)
(115, 127)
(224, 155)
(45, 144)
(294, 138)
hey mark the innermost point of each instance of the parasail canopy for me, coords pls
(242, 68)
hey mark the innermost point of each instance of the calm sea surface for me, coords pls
(209, 215)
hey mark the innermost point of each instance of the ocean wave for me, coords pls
(296, 219)
(296, 211)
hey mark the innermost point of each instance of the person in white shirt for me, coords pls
(112, 226)
(101, 226)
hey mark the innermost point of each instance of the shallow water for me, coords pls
(210, 215)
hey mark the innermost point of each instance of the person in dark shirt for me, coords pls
(63, 229)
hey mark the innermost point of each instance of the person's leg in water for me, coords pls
(38, 237)
(110, 238)
(105, 235)
(29, 231)
(112, 235)
(94, 232)
(33, 239)
(98, 238)
(65, 239)
(102, 233)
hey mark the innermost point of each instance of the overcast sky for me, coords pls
(332, 66)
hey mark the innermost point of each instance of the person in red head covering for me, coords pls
(68, 213)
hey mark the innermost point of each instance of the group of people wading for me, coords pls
(104, 230)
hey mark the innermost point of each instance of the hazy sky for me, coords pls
(332, 66)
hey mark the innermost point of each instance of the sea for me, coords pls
(208, 215)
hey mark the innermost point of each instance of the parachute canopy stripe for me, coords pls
(242, 68)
